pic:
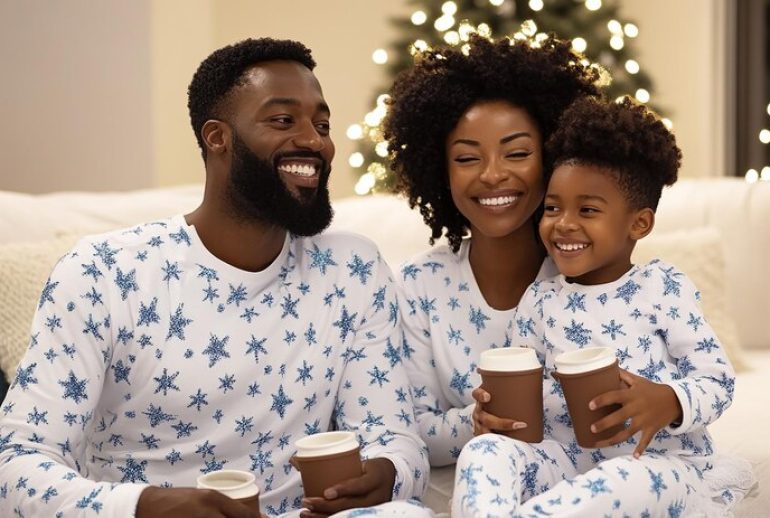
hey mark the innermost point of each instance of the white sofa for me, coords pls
(716, 230)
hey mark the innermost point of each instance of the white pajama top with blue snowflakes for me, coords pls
(152, 362)
(447, 324)
(651, 318)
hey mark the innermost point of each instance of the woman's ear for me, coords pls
(216, 136)
(642, 224)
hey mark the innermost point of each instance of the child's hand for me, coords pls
(484, 422)
(649, 406)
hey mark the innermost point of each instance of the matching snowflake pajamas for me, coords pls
(151, 361)
(651, 318)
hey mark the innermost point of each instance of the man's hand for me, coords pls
(188, 502)
(374, 487)
(484, 422)
(648, 405)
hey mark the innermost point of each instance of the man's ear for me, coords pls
(642, 224)
(216, 136)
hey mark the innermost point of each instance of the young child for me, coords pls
(609, 163)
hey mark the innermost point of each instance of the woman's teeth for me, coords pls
(498, 200)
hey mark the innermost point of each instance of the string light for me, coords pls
(632, 67)
(764, 136)
(356, 160)
(768, 109)
(579, 44)
(614, 26)
(631, 30)
(616, 42)
(752, 176)
(444, 23)
(642, 95)
(496, 3)
(449, 8)
(419, 17)
(765, 174)
(381, 149)
(355, 132)
(452, 37)
(593, 5)
(536, 5)
(667, 123)
(380, 56)
(365, 184)
(528, 27)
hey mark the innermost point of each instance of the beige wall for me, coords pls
(94, 93)
(75, 95)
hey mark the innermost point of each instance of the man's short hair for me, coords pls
(224, 69)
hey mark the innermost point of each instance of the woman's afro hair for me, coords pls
(427, 100)
(224, 69)
(623, 137)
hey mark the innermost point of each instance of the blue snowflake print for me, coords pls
(657, 485)
(74, 388)
(671, 286)
(133, 471)
(378, 376)
(280, 402)
(256, 346)
(171, 271)
(237, 295)
(613, 329)
(180, 236)
(289, 307)
(576, 302)
(627, 291)
(177, 323)
(707, 344)
(166, 382)
(92, 270)
(358, 268)
(577, 333)
(410, 271)
(106, 254)
(345, 323)
(25, 376)
(261, 460)
(320, 259)
(478, 319)
(695, 322)
(460, 382)
(148, 314)
(94, 297)
(126, 282)
(525, 326)
(47, 293)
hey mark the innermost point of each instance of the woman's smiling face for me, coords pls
(494, 157)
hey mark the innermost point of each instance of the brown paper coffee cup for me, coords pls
(579, 389)
(326, 459)
(519, 396)
(238, 485)
(513, 377)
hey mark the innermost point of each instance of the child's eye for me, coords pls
(551, 208)
(589, 210)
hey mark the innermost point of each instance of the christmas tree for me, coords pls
(594, 26)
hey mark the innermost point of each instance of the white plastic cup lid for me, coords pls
(584, 360)
(231, 482)
(508, 359)
(326, 443)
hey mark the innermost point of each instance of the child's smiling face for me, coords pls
(588, 227)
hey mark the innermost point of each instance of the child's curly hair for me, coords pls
(427, 100)
(625, 138)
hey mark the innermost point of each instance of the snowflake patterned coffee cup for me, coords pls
(584, 374)
(325, 459)
(513, 377)
(238, 485)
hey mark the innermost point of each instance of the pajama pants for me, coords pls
(395, 509)
(497, 476)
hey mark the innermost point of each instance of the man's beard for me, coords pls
(257, 193)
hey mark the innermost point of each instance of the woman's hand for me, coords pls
(374, 487)
(484, 422)
(188, 502)
(649, 406)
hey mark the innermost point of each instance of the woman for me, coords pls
(465, 129)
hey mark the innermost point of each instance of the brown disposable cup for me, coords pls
(323, 471)
(579, 389)
(233, 483)
(516, 395)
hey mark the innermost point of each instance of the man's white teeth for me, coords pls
(298, 169)
(569, 247)
(499, 200)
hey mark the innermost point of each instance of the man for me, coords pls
(216, 339)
